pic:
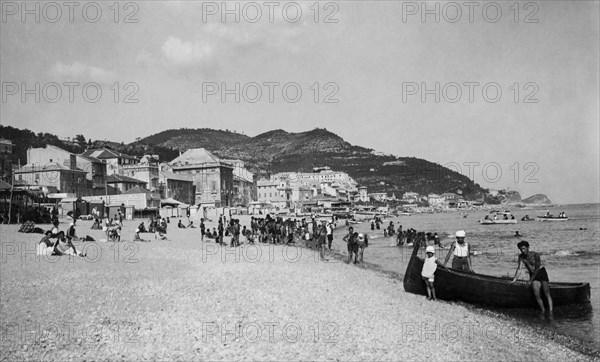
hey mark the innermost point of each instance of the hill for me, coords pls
(278, 150)
(537, 199)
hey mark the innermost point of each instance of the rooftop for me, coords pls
(53, 166)
(198, 157)
(104, 153)
(113, 179)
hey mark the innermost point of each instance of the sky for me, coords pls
(506, 93)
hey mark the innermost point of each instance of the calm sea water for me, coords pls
(570, 251)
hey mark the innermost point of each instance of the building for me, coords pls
(213, 177)
(362, 194)
(177, 187)
(435, 200)
(410, 197)
(276, 193)
(95, 173)
(244, 188)
(137, 197)
(323, 180)
(54, 168)
(378, 196)
(114, 160)
(124, 183)
(6, 169)
(301, 194)
(54, 176)
(145, 170)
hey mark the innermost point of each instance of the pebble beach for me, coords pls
(184, 299)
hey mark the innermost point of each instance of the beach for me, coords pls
(183, 299)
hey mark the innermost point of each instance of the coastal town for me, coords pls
(92, 182)
(299, 181)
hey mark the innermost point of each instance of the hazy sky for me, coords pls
(517, 85)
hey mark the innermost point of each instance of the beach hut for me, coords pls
(170, 208)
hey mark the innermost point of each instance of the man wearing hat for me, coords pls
(538, 277)
(462, 253)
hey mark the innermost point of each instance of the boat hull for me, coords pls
(540, 218)
(494, 222)
(488, 290)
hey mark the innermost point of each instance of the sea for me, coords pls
(570, 251)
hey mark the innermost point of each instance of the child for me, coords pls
(429, 268)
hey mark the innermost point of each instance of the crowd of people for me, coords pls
(58, 242)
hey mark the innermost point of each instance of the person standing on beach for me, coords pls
(538, 277)
(322, 240)
(363, 242)
(329, 229)
(428, 271)
(462, 253)
(236, 232)
(350, 240)
(202, 229)
(221, 230)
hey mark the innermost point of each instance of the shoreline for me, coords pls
(176, 284)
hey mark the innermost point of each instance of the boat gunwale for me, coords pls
(504, 280)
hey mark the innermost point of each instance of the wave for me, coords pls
(565, 253)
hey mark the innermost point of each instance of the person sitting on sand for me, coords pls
(538, 277)
(96, 225)
(115, 234)
(462, 253)
(136, 236)
(54, 232)
(180, 225)
(71, 234)
(428, 271)
(141, 228)
(159, 230)
(64, 246)
(45, 246)
(517, 235)
(191, 225)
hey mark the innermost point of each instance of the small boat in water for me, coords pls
(488, 290)
(552, 218)
(498, 218)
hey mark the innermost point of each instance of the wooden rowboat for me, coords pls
(552, 218)
(488, 290)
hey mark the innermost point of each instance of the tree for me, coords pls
(80, 140)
